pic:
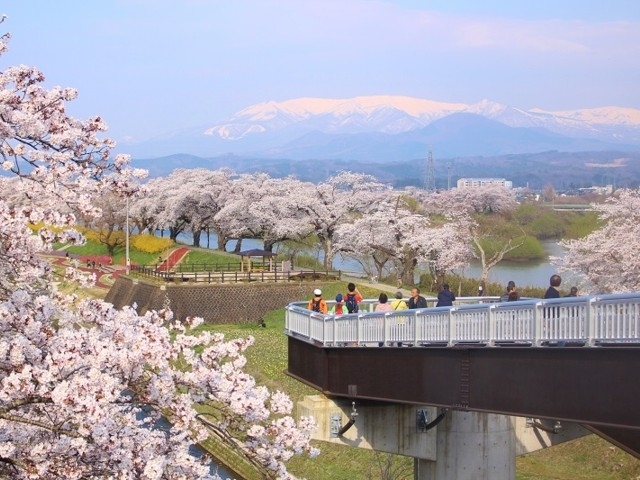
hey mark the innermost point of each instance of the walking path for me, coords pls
(172, 259)
(105, 274)
(380, 286)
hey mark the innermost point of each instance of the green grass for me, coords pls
(92, 247)
(210, 257)
(588, 458)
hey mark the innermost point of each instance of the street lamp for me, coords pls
(127, 261)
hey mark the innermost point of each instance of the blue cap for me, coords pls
(339, 298)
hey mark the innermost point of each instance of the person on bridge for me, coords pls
(446, 297)
(511, 293)
(417, 300)
(573, 292)
(352, 298)
(317, 303)
(338, 309)
(383, 303)
(554, 283)
(399, 303)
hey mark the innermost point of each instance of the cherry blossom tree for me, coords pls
(83, 386)
(608, 257)
(262, 207)
(491, 233)
(483, 199)
(398, 231)
(109, 228)
(339, 200)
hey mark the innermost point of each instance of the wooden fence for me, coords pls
(207, 274)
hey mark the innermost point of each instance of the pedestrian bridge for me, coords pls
(573, 359)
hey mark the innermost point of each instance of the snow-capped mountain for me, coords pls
(382, 128)
(398, 114)
(386, 114)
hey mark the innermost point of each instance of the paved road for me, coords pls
(380, 286)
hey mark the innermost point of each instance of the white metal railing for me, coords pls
(589, 321)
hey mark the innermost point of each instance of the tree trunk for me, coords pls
(328, 256)
(409, 271)
(222, 241)
(238, 247)
(174, 232)
(268, 245)
(196, 237)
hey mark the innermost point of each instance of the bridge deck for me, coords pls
(567, 359)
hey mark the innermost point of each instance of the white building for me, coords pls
(483, 182)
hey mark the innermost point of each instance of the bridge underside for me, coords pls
(596, 387)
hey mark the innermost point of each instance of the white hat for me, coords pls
(317, 292)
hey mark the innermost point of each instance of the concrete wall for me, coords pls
(386, 428)
(223, 303)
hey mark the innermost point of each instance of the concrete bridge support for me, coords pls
(471, 446)
(445, 445)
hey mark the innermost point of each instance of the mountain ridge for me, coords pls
(372, 127)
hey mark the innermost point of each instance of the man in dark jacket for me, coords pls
(417, 300)
(554, 283)
(445, 297)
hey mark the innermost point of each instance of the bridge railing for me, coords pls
(581, 321)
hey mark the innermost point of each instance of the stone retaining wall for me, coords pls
(224, 303)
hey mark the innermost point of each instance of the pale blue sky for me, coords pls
(154, 66)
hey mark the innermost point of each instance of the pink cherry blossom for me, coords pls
(88, 391)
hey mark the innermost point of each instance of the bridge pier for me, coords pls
(445, 445)
(471, 446)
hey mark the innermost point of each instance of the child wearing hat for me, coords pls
(317, 303)
(337, 309)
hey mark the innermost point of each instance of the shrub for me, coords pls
(531, 249)
(307, 261)
(582, 224)
(151, 243)
(547, 225)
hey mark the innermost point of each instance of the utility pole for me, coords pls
(127, 260)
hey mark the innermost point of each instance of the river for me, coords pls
(534, 273)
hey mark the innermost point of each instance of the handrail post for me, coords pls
(492, 325)
(415, 329)
(590, 323)
(452, 327)
(385, 326)
(324, 331)
(537, 323)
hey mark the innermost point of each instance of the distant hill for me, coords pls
(563, 170)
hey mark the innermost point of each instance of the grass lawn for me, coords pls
(95, 248)
(202, 256)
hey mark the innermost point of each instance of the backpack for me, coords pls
(316, 305)
(351, 303)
